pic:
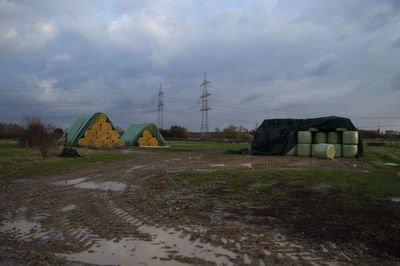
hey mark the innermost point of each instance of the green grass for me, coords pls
(14, 161)
(206, 145)
(356, 189)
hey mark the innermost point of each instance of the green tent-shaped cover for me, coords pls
(135, 131)
(78, 128)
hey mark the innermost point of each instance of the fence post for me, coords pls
(66, 139)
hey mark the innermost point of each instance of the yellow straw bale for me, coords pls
(147, 134)
(101, 135)
(113, 135)
(106, 126)
(119, 143)
(84, 142)
(143, 142)
(102, 118)
(96, 126)
(90, 134)
(153, 142)
(108, 143)
(97, 143)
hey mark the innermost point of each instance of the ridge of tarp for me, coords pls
(278, 136)
(135, 131)
(78, 128)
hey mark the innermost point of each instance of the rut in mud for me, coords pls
(116, 214)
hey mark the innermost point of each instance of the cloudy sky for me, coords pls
(265, 59)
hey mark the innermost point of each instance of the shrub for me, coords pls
(39, 136)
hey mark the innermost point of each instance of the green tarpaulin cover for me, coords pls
(278, 136)
(78, 128)
(135, 131)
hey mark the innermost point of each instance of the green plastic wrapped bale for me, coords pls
(292, 152)
(319, 137)
(324, 151)
(349, 151)
(350, 137)
(340, 129)
(303, 149)
(304, 137)
(334, 137)
(313, 150)
(338, 150)
(313, 129)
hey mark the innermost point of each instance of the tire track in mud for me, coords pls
(70, 220)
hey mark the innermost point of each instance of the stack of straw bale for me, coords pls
(147, 139)
(101, 134)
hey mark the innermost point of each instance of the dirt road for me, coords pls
(115, 214)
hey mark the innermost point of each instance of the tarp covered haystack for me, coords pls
(144, 134)
(279, 136)
(96, 130)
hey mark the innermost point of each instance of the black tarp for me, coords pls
(278, 136)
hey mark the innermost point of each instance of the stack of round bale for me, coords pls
(101, 135)
(147, 139)
(327, 145)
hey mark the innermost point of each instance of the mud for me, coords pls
(116, 214)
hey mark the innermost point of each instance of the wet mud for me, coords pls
(116, 214)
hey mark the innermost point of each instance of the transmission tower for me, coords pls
(204, 106)
(160, 107)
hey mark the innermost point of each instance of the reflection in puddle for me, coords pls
(23, 229)
(392, 164)
(135, 168)
(161, 250)
(249, 165)
(395, 199)
(218, 165)
(70, 182)
(68, 208)
(108, 185)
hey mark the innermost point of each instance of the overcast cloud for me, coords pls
(265, 59)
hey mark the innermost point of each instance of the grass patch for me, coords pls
(14, 161)
(206, 145)
(333, 205)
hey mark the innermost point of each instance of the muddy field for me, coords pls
(116, 214)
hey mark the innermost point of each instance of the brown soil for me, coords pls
(59, 217)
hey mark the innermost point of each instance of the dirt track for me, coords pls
(114, 214)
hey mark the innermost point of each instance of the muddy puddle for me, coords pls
(218, 165)
(167, 247)
(23, 229)
(70, 182)
(249, 165)
(391, 164)
(108, 185)
(130, 170)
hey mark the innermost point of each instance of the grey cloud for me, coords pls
(321, 66)
(103, 52)
(396, 43)
(251, 98)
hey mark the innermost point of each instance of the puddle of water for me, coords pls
(135, 168)
(129, 151)
(164, 244)
(249, 165)
(108, 185)
(395, 199)
(392, 164)
(23, 229)
(218, 165)
(70, 182)
(68, 208)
